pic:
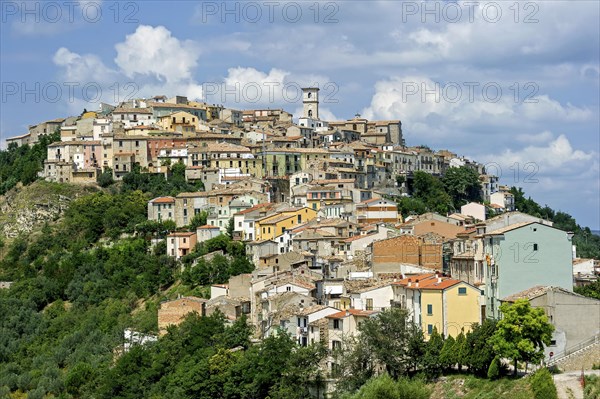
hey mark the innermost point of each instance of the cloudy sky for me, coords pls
(512, 84)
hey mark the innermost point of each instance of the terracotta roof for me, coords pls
(163, 200)
(442, 285)
(354, 312)
(254, 208)
(208, 226)
(182, 234)
(132, 111)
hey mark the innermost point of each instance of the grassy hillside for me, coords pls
(469, 387)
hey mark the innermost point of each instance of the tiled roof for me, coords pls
(358, 237)
(353, 312)
(510, 227)
(208, 226)
(163, 200)
(182, 234)
(132, 111)
(254, 208)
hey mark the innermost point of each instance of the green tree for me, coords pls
(448, 354)
(494, 369)
(479, 353)
(431, 360)
(522, 332)
(105, 178)
(431, 191)
(462, 184)
(230, 228)
(388, 336)
(591, 290)
(542, 385)
(198, 220)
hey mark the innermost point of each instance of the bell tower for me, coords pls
(310, 102)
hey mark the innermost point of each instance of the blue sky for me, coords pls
(512, 84)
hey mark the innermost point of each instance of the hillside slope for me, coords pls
(24, 209)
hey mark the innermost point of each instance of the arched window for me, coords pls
(310, 112)
(309, 94)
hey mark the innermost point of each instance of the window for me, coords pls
(288, 288)
(336, 345)
(535, 247)
(429, 329)
(336, 324)
(462, 290)
(429, 309)
(369, 304)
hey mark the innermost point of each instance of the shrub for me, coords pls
(384, 387)
(494, 369)
(592, 387)
(542, 385)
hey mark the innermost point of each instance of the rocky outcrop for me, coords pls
(25, 209)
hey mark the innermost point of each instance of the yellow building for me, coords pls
(273, 226)
(182, 122)
(449, 305)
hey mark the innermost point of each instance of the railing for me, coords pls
(569, 351)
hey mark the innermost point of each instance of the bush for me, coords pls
(592, 387)
(542, 385)
(384, 387)
(494, 369)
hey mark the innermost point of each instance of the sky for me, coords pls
(513, 85)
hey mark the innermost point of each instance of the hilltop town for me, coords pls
(315, 206)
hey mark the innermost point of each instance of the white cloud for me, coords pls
(83, 68)
(250, 87)
(432, 110)
(150, 61)
(155, 52)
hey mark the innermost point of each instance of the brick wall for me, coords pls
(406, 249)
(173, 312)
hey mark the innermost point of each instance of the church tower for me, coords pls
(310, 102)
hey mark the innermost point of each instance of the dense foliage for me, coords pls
(542, 385)
(592, 387)
(216, 268)
(156, 184)
(202, 358)
(522, 332)
(390, 341)
(22, 164)
(76, 285)
(591, 290)
(384, 387)
(457, 187)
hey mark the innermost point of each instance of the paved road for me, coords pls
(566, 381)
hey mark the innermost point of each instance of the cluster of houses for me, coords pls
(318, 276)
(220, 146)
(313, 203)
